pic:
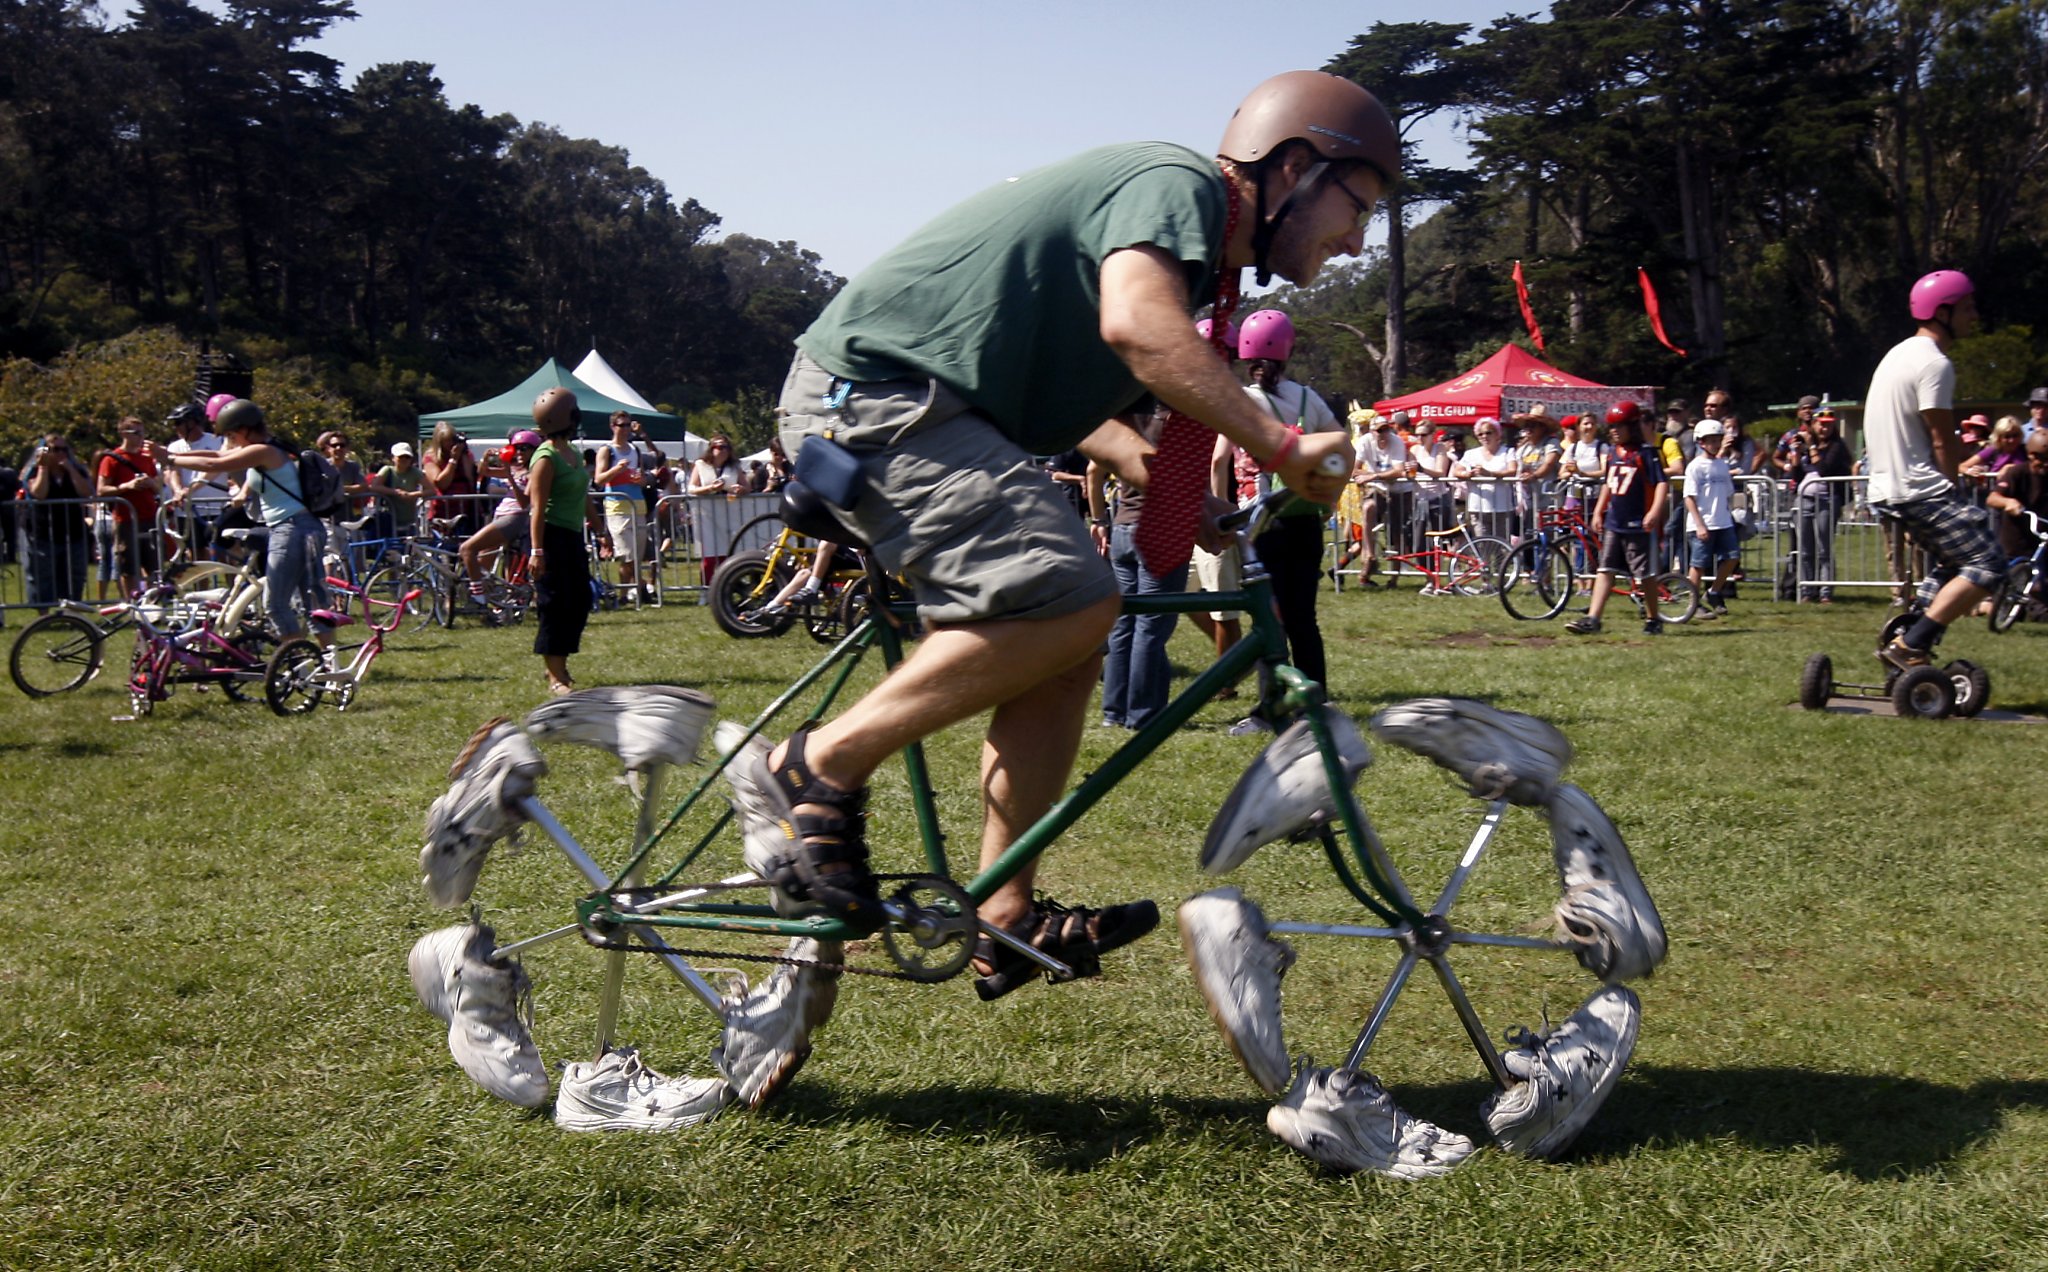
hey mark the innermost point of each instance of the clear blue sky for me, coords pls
(845, 125)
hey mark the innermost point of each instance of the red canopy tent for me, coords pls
(1478, 391)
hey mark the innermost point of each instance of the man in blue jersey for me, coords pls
(1631, 503)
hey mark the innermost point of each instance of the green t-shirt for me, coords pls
(998, 298)
(404, 512)
(569, 490)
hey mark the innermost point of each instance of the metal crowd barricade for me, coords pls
(1756, 503)
(20, 580)
(1839, 541)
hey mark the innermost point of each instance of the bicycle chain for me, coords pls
(822, 965)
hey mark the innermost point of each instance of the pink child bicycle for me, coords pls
(301, 674)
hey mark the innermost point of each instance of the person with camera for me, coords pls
(1819, 454)
(451, 471)
(57, 525)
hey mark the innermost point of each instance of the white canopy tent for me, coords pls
(598, 374)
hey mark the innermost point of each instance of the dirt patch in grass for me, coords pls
(1487, 640)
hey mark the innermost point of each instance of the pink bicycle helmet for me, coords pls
(214, 404)
(526, 437)
(1266, 334)
(1942, 287)
(1230, 334)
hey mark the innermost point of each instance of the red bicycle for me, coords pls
(1536, 579)
(301, 674)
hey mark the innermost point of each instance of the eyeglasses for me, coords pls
(1364, 208)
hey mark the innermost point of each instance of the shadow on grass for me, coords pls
(1871, 1126)
(1070, 1134)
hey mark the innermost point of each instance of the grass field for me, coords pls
(214, 1059)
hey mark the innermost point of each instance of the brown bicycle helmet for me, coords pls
(555, 412)
(1336, 117)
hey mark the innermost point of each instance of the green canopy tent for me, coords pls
(493, 419)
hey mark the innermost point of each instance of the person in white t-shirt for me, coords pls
(1710, 516)
(1490, 471)
(197, 497)
(1913, 454)
(1384, 472)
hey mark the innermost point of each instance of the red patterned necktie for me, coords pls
(1179, 471)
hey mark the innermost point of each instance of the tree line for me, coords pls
(1782, 170)
(216, 176)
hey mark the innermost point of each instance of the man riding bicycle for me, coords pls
(1015, 325)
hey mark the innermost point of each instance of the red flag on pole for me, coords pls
(1528, 314)
(1651, 308)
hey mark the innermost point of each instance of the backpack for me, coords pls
(320, 489)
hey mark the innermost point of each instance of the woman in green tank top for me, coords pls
(557, 490)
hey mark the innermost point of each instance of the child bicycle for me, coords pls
(206, 652)
(301, 674)
(65, 649)
(1537, 580)
(928, 929)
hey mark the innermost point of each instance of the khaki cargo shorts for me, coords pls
(956, 508)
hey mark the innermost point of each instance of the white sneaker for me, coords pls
(766, 838)
(641, 724)
(1347, 1121)
(1499, 754)
(1283, 791)
(1566, 1073)
(496, 770)
(768, 1031)
(488, 1007)
(1605, 911)
(1238, 966)
(620, 1093)
(1249, 725)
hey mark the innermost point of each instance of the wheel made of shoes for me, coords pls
(768, 1028)
(1284, 791)
(1238, 965)
(1344, 1119)
(1605, 911)
(1566, 1073)
(1497, 754)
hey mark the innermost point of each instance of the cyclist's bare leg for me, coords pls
(488, 539)
(957, 671)
(1025, 763)
(1957, 598)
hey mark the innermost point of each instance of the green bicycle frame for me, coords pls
(1284, 693)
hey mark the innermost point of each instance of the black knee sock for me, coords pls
(1925, 633)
